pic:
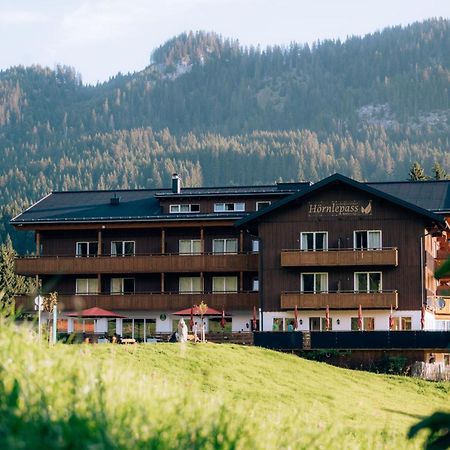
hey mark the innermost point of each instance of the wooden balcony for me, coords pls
(150, 301)
(339, 257)
(207, 262)
(339, 300)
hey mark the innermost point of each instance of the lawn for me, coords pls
(165, 396)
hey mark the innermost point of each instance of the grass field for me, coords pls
(173, 396)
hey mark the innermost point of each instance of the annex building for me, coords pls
(337, 247)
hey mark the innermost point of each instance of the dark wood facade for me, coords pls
(401, 232)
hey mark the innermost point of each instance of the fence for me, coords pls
(431, 371)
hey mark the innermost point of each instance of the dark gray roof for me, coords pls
(431, 195)
(336, 179)
(134, 204)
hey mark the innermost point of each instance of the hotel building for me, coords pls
(336, 244)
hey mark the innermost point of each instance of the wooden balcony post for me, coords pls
(241, 241)
(163, 240)
(202, 282)
(162, 283)
(99, 245)
(99, 283)
(202, 240)
(241, 281)
(38, 243)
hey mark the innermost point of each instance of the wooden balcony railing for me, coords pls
(206, 262)
(339, 300)
(339, 257)
(150, 301)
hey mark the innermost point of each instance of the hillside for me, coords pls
(231, 397)
(366, 107)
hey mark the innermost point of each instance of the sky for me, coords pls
(100, 38)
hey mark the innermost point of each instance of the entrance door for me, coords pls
(314, 324)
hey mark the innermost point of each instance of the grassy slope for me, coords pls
(229, 397)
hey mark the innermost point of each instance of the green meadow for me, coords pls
(205, 396)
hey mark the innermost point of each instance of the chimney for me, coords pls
(176, 184)
(114, 200)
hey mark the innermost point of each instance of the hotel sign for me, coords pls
(340, 208)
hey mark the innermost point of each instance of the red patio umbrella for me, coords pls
(191, 321)
(391, 320)
(327, 318)
(223, 321)
(195, 310)
(360, 318)
(295, 317)
(254, 319)
(95, 313)
(422, 318)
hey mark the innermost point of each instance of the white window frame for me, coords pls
(88, 291)
(88, 245)
(225, 241)
(224, 278)
(255, 285)
(265, 202)
(176, 208)
(302, 287)
(367, 291)
(122, 288)
(367, 231)
(191, 291)
(191, 245)
(222, 208)
(255, 245)
(314, 233)
(123, 248)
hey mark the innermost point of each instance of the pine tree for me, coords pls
(438, 172)
(417, 173)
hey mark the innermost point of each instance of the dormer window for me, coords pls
(187, 208)
(229, 207)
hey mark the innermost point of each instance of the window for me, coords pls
(190, 285)
(188, 208)
(314, 282)
(189, 246)
(368, 281)
(86, 286)
(262, 205)
(368, 324)
(406, 323)
(214, 325)
(314, 240)
(87, 248)
(319, 324)
(367, 240)
(278, 324)
(255, 284)
(229, 207)
(225, 245)
(225, 284)
(122, 286)
(255, 245)
(122, 248)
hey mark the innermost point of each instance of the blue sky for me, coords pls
(102, 37)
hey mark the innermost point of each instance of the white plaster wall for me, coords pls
(241, 321)
(101, 326)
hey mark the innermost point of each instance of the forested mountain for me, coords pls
(219, 113)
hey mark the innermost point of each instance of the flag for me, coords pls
(391, 320)
(422, 318)
(223, 322)
(254, 319)
(295, 318)
(327, 318)
(360, 318)
(191, 321)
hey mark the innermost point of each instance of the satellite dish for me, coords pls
(441, 303)
(39, 303)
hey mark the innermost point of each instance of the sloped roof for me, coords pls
(338, 178)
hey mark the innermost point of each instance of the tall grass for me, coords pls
(195, 397)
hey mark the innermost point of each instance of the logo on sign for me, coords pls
(340, 208)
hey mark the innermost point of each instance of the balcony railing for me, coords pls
(339, 300)
(156, 263)
(155, 301)
(339, 257)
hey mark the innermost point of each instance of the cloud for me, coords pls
(22, 17)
